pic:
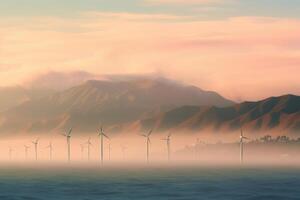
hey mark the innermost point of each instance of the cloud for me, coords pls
(241, 58)
(187, 2)
(60, 80)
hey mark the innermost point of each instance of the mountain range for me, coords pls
(104, 101)
(139, 104)
(275, 113)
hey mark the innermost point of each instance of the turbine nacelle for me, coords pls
(68, 134)
(242, 137)
(101, 133)
(89, 142)
(168, 138)
(36, 141)
(49, 146)
(147, 135)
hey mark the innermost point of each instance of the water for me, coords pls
(155, 183)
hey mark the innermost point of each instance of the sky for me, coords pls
(243, 49)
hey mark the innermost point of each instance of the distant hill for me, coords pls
(108, 102)
(13, 96)
(275, 113)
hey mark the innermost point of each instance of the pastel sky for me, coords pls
(243, 49)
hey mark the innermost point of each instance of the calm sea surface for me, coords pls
(149, 183)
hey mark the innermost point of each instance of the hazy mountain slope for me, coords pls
(281, 113)
(108, 102)
(13, 96)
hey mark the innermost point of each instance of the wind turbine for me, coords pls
(198, 145)
(82, 150)
(10, 153)
(68, 136)
(88, 147)
(242, 137)
(50, 150)
(148, 142)
(123, 149)
(36, 142)
(26, 151)
(168, 140)
(101, 134)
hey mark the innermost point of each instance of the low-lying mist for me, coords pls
(131, 149)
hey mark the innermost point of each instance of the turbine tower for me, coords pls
(68, 136)
(36, 142)
(50, 150)
(88, 147)
(26, 151)
(109, 151)
(242, 137)
(148, 142)
(168, 141)
(101, 134)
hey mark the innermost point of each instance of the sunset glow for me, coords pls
(223, 54)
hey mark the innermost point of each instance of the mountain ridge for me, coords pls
(108, 102)
(282, 113)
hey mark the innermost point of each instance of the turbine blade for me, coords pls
(150, 132)
(105, 136)
(70, 131)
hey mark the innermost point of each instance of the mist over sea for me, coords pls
(149, 182)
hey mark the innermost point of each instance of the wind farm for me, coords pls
(245, 152)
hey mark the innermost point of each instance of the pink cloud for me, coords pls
(241, 58)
